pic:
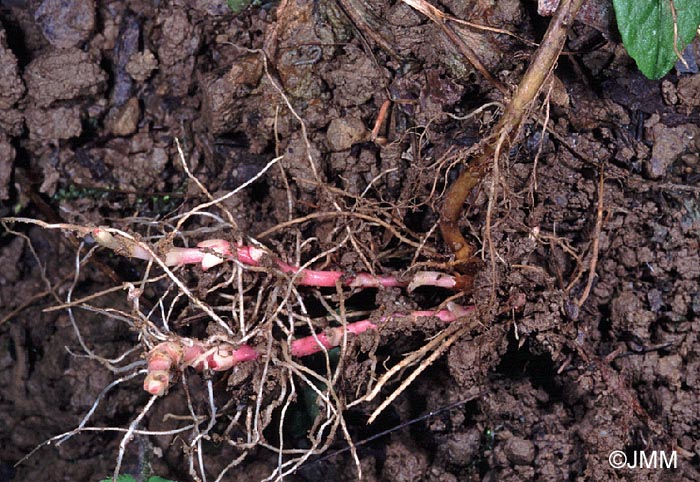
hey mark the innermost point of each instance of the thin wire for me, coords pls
(398, 427)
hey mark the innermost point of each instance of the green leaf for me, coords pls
(237, 6)
(646, 27)
(159, 479)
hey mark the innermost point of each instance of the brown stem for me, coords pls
(507, 128)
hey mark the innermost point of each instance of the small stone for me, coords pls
(246, 71)
(343, 133)
(669, 144)
(669, 92)
(124, 120)
(519, 451)
(655, 299)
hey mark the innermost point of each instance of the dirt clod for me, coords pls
(54, 124)
(141, 65)
(66, 24)
(63, 75)
(460, 448)
(404, 463)
(343, 133)
(519, 451)
(669, 144)
(11, 86)
(179, 41)
(7, 157)
(689, 90)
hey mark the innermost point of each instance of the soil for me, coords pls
(93, 96)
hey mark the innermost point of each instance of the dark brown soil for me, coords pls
(92, 98)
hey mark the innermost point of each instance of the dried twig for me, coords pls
(440, 19)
